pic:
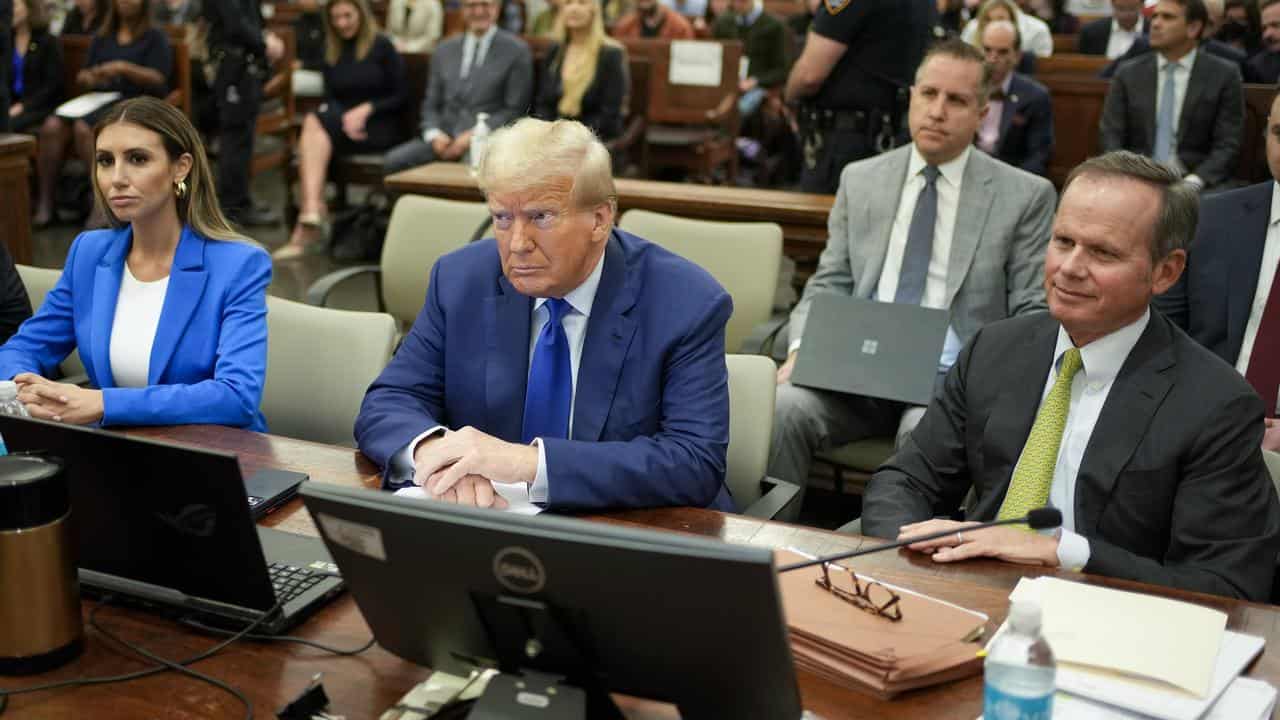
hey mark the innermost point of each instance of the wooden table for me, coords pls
(271, 674)
(15, 209)
(803, 216)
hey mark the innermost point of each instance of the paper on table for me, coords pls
(1244, 699)
(1152, 637)
(695, 62)
(517, 496)
(78, 107)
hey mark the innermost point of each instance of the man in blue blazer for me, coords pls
(567, 355)
(1018, 127)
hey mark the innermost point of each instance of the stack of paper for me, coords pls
(833, 639)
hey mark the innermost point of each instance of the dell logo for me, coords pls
(869, 347)
(519, 570)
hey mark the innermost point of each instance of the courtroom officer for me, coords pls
(239, 57)
(852, 80)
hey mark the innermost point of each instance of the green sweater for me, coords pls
(764, 42)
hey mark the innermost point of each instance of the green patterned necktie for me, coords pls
(1029, 488)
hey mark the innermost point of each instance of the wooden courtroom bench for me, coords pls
(1065, 43)
(16, 153)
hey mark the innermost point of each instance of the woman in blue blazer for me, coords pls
(167, 307)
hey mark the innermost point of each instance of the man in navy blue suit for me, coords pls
(1228, 299)
(1018, 126)
(565, 354)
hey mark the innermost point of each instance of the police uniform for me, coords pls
(238, 56)
(861, 107)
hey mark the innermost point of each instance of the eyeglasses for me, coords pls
(871, 597)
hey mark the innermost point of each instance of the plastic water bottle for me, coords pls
(479, 139)
(1019, 670)
(9, 403)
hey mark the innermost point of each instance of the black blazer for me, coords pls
(41, 79)
(1026, 126)
(601, 103)
(1172, 489)
(1209, 128)
(1094, 36)
(1213, 298)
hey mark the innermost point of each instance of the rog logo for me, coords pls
(195, 520)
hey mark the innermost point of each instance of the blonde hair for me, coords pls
(535, 155)
(198, 207)
(364, 36)
(576, 76)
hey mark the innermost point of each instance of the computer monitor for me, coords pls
(659, 615)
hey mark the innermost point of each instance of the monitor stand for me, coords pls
(549, 667)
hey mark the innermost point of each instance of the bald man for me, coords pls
(1018, 127)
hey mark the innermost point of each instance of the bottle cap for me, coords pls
(8, 390)
(1024, 616)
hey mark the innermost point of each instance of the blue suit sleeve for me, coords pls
(50, 335)
(408, 397)
(683, 464)
(232, 396)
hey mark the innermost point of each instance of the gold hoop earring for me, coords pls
(180, 189)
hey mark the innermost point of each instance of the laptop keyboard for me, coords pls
(291, 581)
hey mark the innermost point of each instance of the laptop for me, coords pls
(171, 527)
(877, 349)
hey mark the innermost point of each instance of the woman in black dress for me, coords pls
(585, 74)
(35, 77)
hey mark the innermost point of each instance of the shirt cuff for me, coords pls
(431, 134)
(540, 490)
(794, 345)
(400, 469)
(1073, 551)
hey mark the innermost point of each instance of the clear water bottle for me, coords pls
(1019, 670)
(9, 403)
(479, 139)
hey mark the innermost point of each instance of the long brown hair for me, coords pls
(198, 207)
(111, 26)
(364, 36)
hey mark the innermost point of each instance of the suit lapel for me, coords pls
(1150, 83)
(106, 291)
(604, 350)
(187, 279)
(971, 220)
(1245, 261)
(507, 318)
(882, 200)
(1136, 394)
(1195, 89)
(1007, 112)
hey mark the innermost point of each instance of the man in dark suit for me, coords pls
(1228, 299)
(1147, 443)
(579, 360)
(1264, 66)
(484, 70)
(1114, 36)
(1018, 126)
(1178, 105)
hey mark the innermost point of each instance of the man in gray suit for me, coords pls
(1178, 105)
(979, 253)
(1147, 442)
(484, 70)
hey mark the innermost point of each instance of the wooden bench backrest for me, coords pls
(688, 104)
(1253, 149)
(1077, 113)
(1065, 43)
(1070, 64)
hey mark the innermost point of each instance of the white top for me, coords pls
(1100, 363)
(1120, 40)
(1266, 274)
(471, 56)
(1035, 34)
(133, 331)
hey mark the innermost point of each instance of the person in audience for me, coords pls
(1197, 99)
(1018, 126)
(1230, 47)
(35, 76)
(364, 92)
(544, 25)
(716, 9)
(308, 33)
(851, 81)
(127, 56)
(1241, 26)
(1036, 37)
(566, 355)
(1206, 43)
(1228, 300)
(167, 306)
(85, 17)
(1054, 13)
(764, 44)
(484, 70)
(653, 19)
(1114, 36)
(799, 23)
(1264, 67)
(1147, 442)
(979, 254)
(415, 25)
(585, 74)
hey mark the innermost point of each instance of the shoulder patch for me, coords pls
(835, 6)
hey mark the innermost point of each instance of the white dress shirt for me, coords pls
(133, 331)
(580, 299)
(1182, 75)
(1100, 363)
(989, 130)
(1266, 274)
(1120, 40)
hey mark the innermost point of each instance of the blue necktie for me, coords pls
(915, 257)
(550, 391)
(1163, 150)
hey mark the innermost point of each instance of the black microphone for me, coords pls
(1038, 519)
